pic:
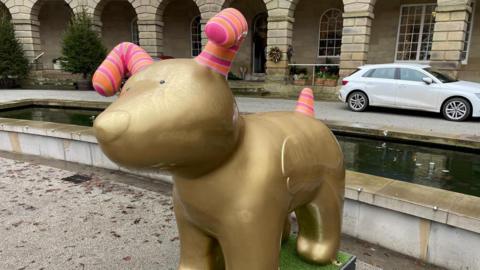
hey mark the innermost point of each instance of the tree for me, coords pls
(13, 63)
(82, 48)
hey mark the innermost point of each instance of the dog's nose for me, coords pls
(111, 125)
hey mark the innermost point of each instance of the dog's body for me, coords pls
(279, 166)
(236, 178)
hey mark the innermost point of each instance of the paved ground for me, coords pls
(336, 111)
(112, 221)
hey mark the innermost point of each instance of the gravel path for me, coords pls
(47, 222)
(332, 111)
(111, 221)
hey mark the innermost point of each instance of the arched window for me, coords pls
(134, 27)
(196, 33)
(330, 37)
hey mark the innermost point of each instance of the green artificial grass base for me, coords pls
(289, 259)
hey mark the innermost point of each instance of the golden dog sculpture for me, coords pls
(236, 178)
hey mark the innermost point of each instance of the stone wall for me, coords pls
(449, 35)
(471, 70)
(117, 18)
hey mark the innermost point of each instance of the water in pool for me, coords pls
(74, 116)
(446, 169)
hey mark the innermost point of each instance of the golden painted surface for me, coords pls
(236, 178)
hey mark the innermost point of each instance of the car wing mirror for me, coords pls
(427, 80)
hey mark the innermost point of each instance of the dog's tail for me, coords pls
(305, 103)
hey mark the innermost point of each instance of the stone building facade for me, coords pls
(444, 33)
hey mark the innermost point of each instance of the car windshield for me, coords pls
(442, 77)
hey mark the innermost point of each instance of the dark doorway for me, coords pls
(259, 42)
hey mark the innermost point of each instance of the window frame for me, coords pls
(420, 33)
(469, 41)
(134, 31)
(396, 73)
(425, 75)
(320, 30)
(191, 35)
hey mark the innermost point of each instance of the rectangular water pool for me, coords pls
(430, 166)
(65, 115)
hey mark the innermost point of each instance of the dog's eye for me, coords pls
(162, 82)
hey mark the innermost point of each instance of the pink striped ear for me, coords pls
(225, 32)
(125, 59)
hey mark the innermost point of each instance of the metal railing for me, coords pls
(314, 66)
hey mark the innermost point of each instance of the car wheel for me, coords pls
(456, 109)
(357, 101)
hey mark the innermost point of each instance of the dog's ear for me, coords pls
(125, 59)
(225, 32)
(227, 29)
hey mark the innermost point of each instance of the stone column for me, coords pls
(449, 35)
(27, 27)
(150, 34)
(150, 29)
(357, 23)
(208, 9)
(279, 35)
(28, 33)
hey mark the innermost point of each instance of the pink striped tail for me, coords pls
(305, 103)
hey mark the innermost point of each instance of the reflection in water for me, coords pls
(81, 117)
(440, 168)
(445, 169)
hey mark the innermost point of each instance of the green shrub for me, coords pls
(13, 63)
(82, 48)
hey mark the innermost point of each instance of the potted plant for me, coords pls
(82, 49)
(13, 63)
(320, 78)
(300, 79)
(331, 81)
(57, 63)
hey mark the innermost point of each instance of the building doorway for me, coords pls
(259, 43)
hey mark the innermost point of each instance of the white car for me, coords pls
(411, 86)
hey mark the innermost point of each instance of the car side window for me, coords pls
(407, 74)
(381, 73)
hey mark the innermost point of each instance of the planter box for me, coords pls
(300, 82)
(319, 81)
(330, 83)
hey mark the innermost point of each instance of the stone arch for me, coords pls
(252, 51)
(99, 7)
(164, 14)
(49, 19)
(116, 20)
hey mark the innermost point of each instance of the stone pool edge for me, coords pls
(464, 141)
(411, 219)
